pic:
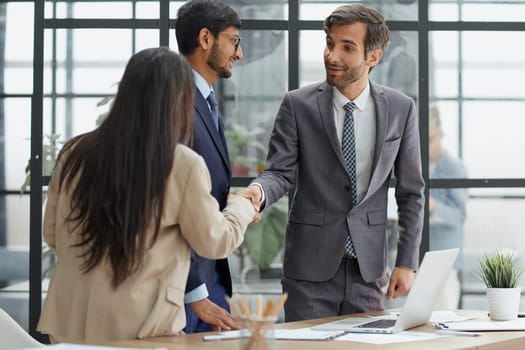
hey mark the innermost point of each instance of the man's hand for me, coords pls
(215, 315)
(253, 194)
(400, 282)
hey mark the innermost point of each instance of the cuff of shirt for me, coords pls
(259, 186)
(199, 293)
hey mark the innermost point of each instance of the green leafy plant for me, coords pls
(241, 146)
(266, 239)
(49, 153)
(263, 241)
(49, 156)
(500, 270)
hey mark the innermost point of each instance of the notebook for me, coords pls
(429, 281)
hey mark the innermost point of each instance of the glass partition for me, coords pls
(393, 10)
(250, 99)
(477, 10)
(102, 9)
(481, 99)
(256, 9)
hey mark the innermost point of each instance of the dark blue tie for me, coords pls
(214, 108)
(348, 149)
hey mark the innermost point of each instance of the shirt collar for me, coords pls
(201, 84)
(360, 101)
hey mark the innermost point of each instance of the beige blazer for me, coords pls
(84, 307)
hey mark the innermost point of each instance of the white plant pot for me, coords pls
(504, 303)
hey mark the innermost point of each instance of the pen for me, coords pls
(520, 314)
(451, 332)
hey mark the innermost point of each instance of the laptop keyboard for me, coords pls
(378, 324)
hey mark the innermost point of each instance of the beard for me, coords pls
(350, 74)
(213, 62)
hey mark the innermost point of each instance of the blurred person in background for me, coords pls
(447, 208)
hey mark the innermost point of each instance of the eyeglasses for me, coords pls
(234, 39)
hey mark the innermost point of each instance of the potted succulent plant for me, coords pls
(501, 273)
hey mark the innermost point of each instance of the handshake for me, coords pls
(253, 193)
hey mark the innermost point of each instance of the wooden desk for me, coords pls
(488, 341)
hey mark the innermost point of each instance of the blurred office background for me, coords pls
(60, 63)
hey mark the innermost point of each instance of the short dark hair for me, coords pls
(197, 14)
(377, 34)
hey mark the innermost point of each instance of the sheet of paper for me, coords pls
(282, 334)
(223, 335)
(305, 334)
(515, 325)
(401, 337)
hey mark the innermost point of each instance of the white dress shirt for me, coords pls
(365, 133)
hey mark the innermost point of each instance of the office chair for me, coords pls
(12, 336)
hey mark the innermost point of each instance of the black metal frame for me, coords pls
(293, 25)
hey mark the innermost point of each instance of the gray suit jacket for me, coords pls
(304, 152)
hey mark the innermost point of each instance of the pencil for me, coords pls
(259, 306)
(268, 308)
(244, 307)
(233, 307)
(279, 305)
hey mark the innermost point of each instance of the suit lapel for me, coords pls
(324, 102)
(381, 120)
(224, 152)
(381, 125)
(217, 136)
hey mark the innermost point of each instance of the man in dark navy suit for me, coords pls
(207, 34)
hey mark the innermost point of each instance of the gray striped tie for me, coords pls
(214, 107)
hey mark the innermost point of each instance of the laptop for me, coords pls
(421, 299)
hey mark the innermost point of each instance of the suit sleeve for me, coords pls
(283, 151)
(209, 232)
(409, 193)
(195, 281)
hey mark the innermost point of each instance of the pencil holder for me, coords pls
(257, 333)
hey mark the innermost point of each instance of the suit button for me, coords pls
(347, 188)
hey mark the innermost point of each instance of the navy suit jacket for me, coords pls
(211, 145)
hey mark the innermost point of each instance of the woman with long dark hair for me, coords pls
(125, 204)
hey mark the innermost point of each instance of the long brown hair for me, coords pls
(121, 168)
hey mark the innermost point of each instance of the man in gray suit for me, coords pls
(336, 245)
